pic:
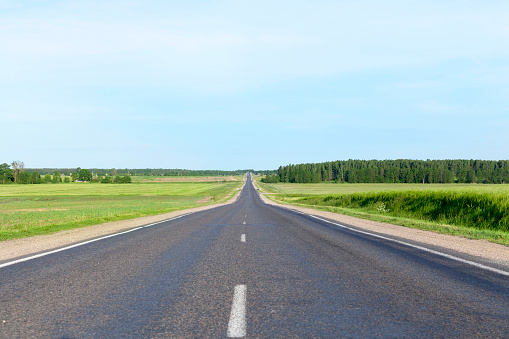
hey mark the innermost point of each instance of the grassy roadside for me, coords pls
(447, 209)
(28, 210)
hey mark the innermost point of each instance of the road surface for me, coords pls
(253, 270)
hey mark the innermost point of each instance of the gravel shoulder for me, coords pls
(482, 249)
(16, 248)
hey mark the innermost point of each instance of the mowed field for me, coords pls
(333, 188)
(470, 210)
(184, 179)
(27, 210)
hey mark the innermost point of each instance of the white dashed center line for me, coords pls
(237, 323)
(243, 238)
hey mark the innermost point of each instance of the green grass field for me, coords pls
(332, 188)
(475, 211)
(155, 179)
(27, 210)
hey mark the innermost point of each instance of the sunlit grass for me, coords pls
(69, 189)
(27, 210)
(345, 188)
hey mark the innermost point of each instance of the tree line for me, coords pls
(101, 172)
(395, 171)
(17, 173)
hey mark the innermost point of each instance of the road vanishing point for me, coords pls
(251, 270)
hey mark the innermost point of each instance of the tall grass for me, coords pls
(469, 210)
(460, 208)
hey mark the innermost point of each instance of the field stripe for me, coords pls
(87, 242)
(237, 323)
(445, 255)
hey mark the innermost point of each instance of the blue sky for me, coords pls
(243, 84)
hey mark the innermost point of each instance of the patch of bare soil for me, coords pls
(190, 179)
(204, 200)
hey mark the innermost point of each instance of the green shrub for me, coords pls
(106, 180)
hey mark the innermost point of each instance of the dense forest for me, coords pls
(395, 171)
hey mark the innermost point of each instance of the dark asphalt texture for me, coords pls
(305, 279)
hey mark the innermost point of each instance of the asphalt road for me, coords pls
(250, 269)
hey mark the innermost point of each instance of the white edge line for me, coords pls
(87, 242)
(237, 323)
(445, 255)
(452, 257)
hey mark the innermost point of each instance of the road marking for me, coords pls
(244, 223)
(237, 323)
(445, 255)
(243, 238)
(87, 242)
